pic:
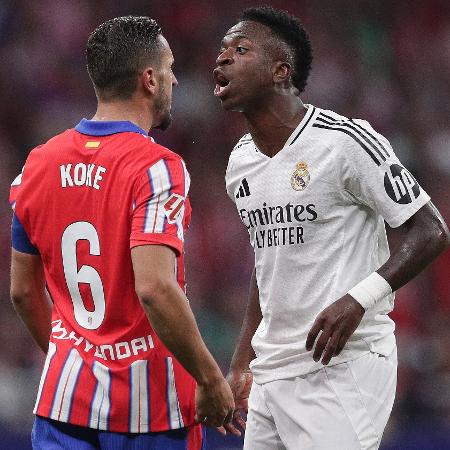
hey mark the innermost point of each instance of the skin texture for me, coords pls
(259, 85)
(169, 313)
(260, 88)
(239, 376)
(163, 301)
(29, 296)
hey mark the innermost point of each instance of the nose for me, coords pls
(174, 80)
(225, 57)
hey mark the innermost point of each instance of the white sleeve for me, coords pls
(228, 177)
(373, 175)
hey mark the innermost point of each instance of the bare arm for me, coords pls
(244, 353)
(168, 311)
(29, 296)
(426, 237)
(239, 376)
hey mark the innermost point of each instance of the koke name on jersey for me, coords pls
(81, 174)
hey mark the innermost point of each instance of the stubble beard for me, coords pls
(162, 110)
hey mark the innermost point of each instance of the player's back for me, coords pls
(86, 197)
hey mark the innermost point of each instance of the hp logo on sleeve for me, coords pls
(400, 185)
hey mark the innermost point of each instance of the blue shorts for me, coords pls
(49, 434)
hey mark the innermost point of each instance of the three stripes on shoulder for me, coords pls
(366, 139)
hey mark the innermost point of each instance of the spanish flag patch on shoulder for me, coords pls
(92, 144)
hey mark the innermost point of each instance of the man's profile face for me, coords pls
(166, 80)
(243, 71)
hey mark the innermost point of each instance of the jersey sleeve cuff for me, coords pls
(20, 240)
(406, 214)
(171, 241)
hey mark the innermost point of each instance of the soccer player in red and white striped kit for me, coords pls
(97, 265)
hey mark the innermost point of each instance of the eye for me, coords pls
(241, 50)
(221, 51)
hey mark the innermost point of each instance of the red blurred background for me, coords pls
(387, 62)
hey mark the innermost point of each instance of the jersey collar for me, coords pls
(302, 125)
(105, 128)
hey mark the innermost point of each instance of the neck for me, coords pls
(271, 124)
(125, 110)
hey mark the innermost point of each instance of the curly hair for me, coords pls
(289, 29)
(117, 50)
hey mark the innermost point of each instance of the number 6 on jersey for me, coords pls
(87, 274)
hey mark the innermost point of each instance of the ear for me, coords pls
(281, 72)
(148, 80)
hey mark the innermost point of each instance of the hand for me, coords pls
(240, 383)
(337, 322)
(214, 403)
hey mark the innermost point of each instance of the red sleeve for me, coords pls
(160, 205)
(15, 185)
(14, 191)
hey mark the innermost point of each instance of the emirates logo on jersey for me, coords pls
(172, 207)
(300, 178)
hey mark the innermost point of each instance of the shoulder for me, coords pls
(151, 152)
(243, 142)
(56, 141)
(240, 149)
(158, 164)
(352, 136)
(330, 120)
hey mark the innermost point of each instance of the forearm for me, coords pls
(35, 310)
(173, 321)
(426, 237)
(244, 352)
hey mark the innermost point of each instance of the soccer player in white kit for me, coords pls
(314, 188)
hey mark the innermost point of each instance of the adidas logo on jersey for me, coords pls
(244, 190)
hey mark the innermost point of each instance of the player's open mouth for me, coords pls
(221, 84)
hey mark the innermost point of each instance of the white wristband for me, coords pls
(371, 290)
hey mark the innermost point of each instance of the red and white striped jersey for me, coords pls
(84, 199)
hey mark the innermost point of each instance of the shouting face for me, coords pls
(244, 67)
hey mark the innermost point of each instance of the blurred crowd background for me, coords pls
(384, 61)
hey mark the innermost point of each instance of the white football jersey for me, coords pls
(315, 215)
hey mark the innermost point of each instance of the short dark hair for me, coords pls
(289, 29)
(117, 50)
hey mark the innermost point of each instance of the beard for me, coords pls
(162, 110)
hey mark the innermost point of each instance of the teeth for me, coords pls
(219, 89)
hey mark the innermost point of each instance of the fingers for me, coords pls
(231, 429)
(337, 323)
(342, 341)
(322, 342)
(212, 421)
(328, 341)
(331, 347)
(312, 335)
(239, 420)
(222, 430)
(229, 417)
(215, 420)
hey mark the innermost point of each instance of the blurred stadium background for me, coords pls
(384, 61)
